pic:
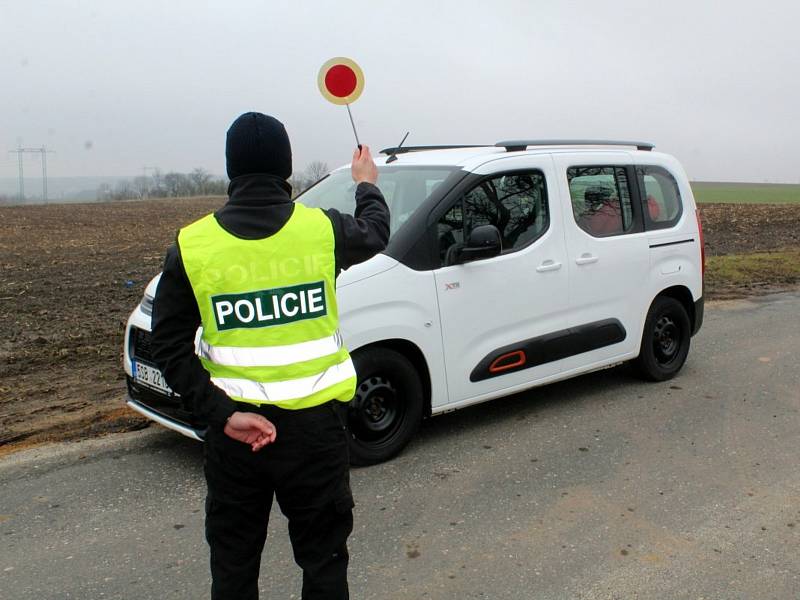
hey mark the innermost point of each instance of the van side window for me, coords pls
(515, 203)
(661, 197)
(601, 200)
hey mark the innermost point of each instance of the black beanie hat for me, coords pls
(258, 143)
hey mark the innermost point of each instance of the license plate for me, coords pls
(151, 377)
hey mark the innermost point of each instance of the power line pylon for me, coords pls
(44, 152)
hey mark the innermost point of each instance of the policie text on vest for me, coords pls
(264, 308)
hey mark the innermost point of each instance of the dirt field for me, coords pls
(742, 228)
(71, 274)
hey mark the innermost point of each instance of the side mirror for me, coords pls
(484, 242)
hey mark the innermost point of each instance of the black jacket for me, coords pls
(258, 206)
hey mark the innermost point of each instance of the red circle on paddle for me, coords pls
(341, 81)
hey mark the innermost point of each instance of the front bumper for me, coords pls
(169, 411)
(171, 406)
(195, 433)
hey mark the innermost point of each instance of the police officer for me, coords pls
(270, 368)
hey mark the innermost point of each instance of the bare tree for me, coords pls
(316, 170)
(176, 184)
(158, 183)
(298, 183)
(199, 178)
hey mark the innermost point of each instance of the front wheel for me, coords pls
(665, 340)
(387, 408)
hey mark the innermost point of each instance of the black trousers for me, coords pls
(307, 469)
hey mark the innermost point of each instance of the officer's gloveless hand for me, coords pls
(363, 167)
(250, 428)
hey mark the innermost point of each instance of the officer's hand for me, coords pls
(363, 167)
(250, 428)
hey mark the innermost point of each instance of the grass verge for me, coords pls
(746, 193)
(738, 275)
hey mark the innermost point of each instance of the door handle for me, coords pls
(586, 259)
(548, 265)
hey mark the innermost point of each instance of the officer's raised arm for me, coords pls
(364, 234)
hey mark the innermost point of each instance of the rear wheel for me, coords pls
(387, 408)
(665, 340)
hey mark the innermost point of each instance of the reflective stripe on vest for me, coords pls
(270, 356)
(280, 391)
(268, 310)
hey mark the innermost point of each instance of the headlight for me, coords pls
(147, 305)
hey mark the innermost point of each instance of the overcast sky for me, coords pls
(114, 86)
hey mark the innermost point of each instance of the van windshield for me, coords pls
(405, 189)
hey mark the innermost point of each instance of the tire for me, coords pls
(387, 409)
(665, 340)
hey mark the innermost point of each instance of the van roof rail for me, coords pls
(405, 149)
(517, 145)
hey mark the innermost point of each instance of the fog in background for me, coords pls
(113, 86)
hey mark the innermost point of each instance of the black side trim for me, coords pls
(548, 348)
(671, 243)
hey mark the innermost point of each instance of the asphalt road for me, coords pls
(600, 487)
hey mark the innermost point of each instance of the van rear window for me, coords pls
(662, 199)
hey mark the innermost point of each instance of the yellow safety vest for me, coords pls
(268, 310)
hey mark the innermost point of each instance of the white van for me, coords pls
(509, 266)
